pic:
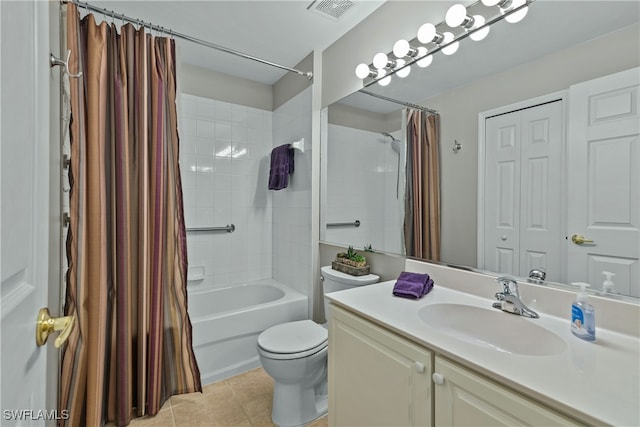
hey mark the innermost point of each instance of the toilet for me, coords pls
(294, 354)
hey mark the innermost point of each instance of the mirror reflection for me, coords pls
(515, 67)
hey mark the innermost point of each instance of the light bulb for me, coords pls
(480, 34)
(426, 33)
(517, 16)
(363, 71)
(490, 3)
(457, 16)
(385, 80)
(453, 47)
(425, 61)
(401, 48)
(380, 60)
(402, 72)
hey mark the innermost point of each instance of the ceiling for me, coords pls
(284, 32)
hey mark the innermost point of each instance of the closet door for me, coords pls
(502, 193)
(541, 237)
(523, 191)
(604, 181)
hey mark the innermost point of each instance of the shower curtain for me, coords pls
(422, 196)
(126, 245)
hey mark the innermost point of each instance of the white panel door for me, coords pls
(502, 193)
(523, 191)
(541, 236)
(604, 182)
(24, 124)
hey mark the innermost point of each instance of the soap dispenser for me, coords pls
(608, 285)
(583, 319)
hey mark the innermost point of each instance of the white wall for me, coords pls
(222, 147)
(292, 205)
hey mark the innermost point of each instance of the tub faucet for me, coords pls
(509, 299)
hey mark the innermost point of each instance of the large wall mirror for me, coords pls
(558, 45)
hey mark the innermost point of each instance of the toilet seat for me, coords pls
(293, 340)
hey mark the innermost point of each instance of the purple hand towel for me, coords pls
(412, 285)
(281, 166)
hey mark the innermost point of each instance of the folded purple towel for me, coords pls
(281, 167)
(412, 285)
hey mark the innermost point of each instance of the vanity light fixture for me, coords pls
(457, 17)
(474, 26)
(402, 48)
(363, 71)
(381, 61)
(451, 47)
(402, 71)
(508, 5)
(479, 34)
(427, 33)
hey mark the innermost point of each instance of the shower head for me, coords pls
(395, 143)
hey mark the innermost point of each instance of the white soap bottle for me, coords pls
(583, 316)
(608, 285)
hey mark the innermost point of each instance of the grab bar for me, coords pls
(356, 223)
(229, 228)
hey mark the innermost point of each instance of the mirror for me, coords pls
(580, 41)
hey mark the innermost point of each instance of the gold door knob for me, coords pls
(579, 239)
(46, 325)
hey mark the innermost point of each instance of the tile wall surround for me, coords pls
(292, 206)
(222, 152)
(224, 157)
(362, 185)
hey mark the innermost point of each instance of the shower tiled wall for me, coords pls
(292, 205)
(363, 184)
(224, 152)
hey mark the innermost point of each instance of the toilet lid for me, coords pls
(293, 337)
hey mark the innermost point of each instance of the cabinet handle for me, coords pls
(437, 378)
(419, 367)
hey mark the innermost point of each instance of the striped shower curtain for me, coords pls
(126, 245)
(422, 196)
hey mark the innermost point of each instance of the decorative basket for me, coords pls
(350, 269)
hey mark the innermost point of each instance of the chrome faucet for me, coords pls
(509, 299)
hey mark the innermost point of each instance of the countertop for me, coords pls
(594, 382)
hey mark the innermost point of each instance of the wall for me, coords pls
(222, 152)
(223, 87)
(292, 205)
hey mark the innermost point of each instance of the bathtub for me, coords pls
(227, 321)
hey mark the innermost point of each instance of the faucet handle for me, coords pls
(509, 285)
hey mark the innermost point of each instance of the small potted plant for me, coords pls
(351, 262)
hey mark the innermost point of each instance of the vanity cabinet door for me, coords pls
(463, 398)
(376, 378)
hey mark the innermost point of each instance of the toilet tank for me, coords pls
(334, 280)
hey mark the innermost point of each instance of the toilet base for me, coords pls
(293, 407)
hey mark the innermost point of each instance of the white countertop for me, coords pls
(595, 382)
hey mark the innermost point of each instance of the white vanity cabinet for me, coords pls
(463, 398)
(379, 378)
(376, 378)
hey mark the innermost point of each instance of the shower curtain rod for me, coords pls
(395, 101)
(105, 12)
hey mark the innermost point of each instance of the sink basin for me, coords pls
(492, 328)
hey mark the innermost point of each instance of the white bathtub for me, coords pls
(227, 322)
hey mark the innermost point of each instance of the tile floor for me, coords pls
(240, 401)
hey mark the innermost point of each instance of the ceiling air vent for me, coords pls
(331, 8)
